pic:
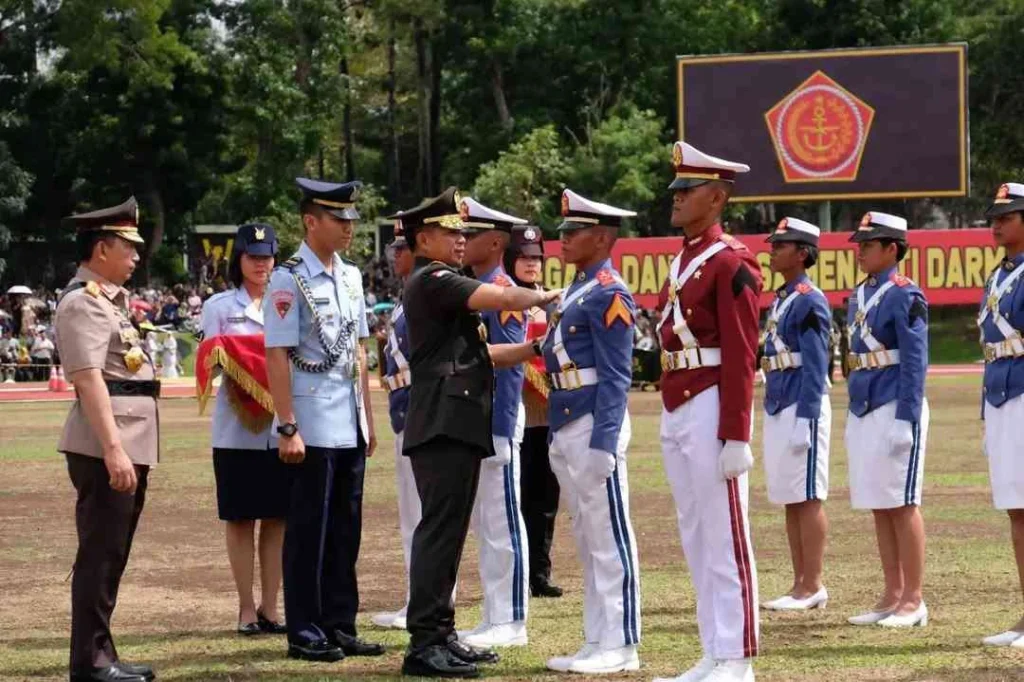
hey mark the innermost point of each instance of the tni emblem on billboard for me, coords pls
(819, 131)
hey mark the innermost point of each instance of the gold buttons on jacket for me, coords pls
(572, 330)
(566, 410)
(689, 311)
(686, 393)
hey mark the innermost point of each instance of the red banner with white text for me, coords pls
(950, 266)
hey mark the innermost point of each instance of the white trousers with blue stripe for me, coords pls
(501, 535)
(795, 477)
(595, 487)
(878, 480)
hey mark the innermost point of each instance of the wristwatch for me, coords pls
(537, 348)
(288, 430)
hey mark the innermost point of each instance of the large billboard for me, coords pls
(950, 266)
(833, 124)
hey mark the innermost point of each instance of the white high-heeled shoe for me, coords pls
(818, 600)
(919, 618)
(869, 618)
(1004, 639)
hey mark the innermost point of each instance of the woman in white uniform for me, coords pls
(797, 410)
(252, 483)
(1002, 327)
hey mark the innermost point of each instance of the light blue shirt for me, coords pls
(234, 313)
(326, 405)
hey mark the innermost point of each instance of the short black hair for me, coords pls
(85, 242)
(307, 205)
(235, 268)
(901, 247)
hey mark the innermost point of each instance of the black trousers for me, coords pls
(540, 493)
(106, 521)
(446, 473)
(323, 530)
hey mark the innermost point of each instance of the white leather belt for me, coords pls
(873, 360)
(1007, 348)
(784, 360)
(690, 358)
(572, 379)
(393, 382)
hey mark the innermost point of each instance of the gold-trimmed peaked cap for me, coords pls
(121, 220)
(337, 198)
(693, 167)
(440, 211)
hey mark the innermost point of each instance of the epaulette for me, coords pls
(900, 280)
(605, 277)
(93, 289)
(72, 287)
(804, 288)
(292, 262)
(732, 242)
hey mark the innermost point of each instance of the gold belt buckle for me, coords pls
(766, 364)
(666, 361)
(570, 371)
(990, 352)
(852, 361)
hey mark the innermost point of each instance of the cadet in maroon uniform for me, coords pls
(709, 337)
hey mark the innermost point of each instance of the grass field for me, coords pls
(177, 608)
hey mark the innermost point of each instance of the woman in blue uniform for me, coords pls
(252, 483)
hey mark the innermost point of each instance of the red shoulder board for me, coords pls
(502, 281)
(606, 278)
(900, 280)
(804, 288)
(732, 242)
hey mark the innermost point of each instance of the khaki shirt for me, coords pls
(93, 331)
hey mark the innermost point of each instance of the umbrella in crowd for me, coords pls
(20, 289)
(383, 307)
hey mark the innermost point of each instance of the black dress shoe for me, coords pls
(109, 674)
(471, 654)
(270, 627)
(137, 669)
(437, 661)
(353, 646)
(322, 650)
(543, 588)
(249, 629)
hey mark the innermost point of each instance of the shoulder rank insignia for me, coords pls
(505, 315)
(502, 281)
(441, 273)
(605, 277)
(900, 280)
(292, 262)
(804, 288)
(732, 242)
(93, 289)
(617, 310)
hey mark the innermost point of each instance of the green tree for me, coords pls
(15, 184)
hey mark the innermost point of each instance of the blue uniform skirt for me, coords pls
(251, 484)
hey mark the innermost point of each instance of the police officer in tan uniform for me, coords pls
(110, 438)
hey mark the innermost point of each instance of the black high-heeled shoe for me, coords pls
(270, 627)
(249, 629)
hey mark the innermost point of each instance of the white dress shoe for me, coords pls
(739, 670)
(1018, 643)
(607, 661)
(561, 664)
(482, 627)
(818, 600)
(504, 634)
(919, 618)
(1003, 638)
(869, 618)
(390, 619)
(695, 674)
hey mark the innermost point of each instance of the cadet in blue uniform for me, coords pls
(887, 428)
(397, 382)
(497, 515)
(252, 482)
(798, 413)
(588, 355)
(1002, 327)
(314, 315)
(448, 430)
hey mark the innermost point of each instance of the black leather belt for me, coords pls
(126, 387)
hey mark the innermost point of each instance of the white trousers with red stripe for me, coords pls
(714, 528)
(596, 492)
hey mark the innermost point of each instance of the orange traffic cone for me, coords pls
(62, 383)
(53, 379)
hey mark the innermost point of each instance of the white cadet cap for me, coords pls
(476, 216)
(876, 225)
(693, 167)
(580, 212)
(795, 230)
(1009, 199)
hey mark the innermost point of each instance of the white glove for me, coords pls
(800, 438)
(502, 452)
(600, 465)
(736, 459)
(901, 439)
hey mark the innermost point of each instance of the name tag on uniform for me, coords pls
(238, 318)
(322, 301)
(127, 332)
